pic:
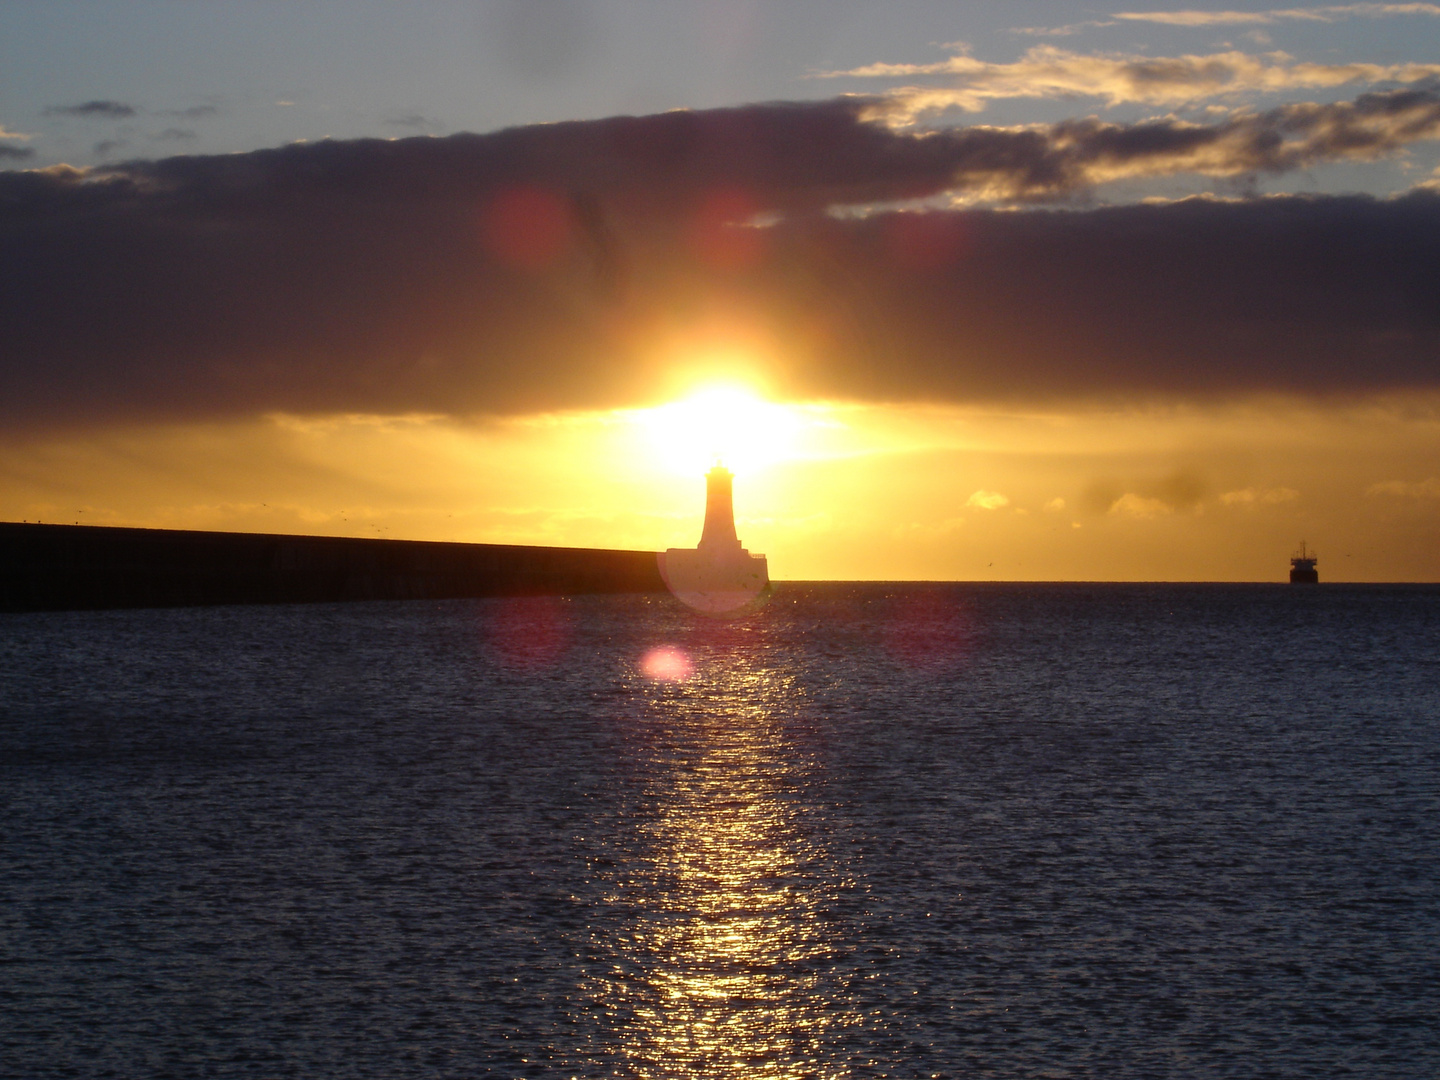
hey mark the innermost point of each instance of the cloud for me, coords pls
(987, 500)
(1134, 505)
(1046, 162)
(1252, 496)
(577, 265)
(1048, 72)
(1193, 18)
(94, 110)
(1331, 13)
(194, 112)
(4, 134)
(1059, 31)
(173, 133)
(1425, 489)
(1182, 490)
(15, 153)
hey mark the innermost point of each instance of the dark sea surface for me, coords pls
(872, 830)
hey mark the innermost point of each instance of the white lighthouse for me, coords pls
(719, 576)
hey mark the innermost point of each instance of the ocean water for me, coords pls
(871, 830)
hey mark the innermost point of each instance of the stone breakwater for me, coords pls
(62, 567)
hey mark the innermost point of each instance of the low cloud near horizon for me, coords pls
(557, 266)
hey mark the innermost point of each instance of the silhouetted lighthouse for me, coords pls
(719, 531)
(717, 576)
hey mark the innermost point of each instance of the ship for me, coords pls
(1302, 567)
(719, 576)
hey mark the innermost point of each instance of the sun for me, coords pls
(725, 422)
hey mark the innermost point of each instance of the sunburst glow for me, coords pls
(725, 422)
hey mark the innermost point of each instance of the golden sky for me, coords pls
(826, 490)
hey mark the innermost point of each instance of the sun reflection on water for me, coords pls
(724, 970)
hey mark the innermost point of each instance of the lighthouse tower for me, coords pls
(719, 532)
(719, 576)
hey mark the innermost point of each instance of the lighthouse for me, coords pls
(719, 576)
(719, 531)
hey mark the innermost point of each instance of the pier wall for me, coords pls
(60, 567)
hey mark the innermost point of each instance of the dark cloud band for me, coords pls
(537, 268)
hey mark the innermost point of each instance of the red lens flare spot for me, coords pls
(925, 242)
(528, 632)
(930, 632)
(527, 228)
(721, 235)
(666, 664)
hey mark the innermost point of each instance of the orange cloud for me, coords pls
(987, 500)
(1424, 489)
(1037, 163)
(1049, 72)
(1259, 496)
(1330, 13)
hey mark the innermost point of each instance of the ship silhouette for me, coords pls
(718, 576)
(1302, 567)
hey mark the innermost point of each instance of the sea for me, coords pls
(868, 830)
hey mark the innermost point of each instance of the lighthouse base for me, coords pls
(715, 582)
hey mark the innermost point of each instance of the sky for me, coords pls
(1036, 291)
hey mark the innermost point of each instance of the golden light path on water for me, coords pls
(721, 971)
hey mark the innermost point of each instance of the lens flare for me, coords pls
(722, 234)
(666, 664)
(525, 633)
(527, 228)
